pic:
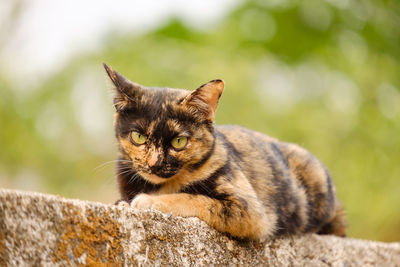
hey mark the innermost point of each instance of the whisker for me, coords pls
(124, 172)
(109, 162)
(134, 177)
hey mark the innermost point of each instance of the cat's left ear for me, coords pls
(204, 100)
(126, 92)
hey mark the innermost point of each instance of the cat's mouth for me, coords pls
(163, 171)
(165, 174)
(158, 175)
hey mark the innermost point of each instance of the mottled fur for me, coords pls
(239, 181)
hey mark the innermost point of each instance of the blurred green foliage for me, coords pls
(323, 74)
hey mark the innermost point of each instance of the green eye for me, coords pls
(138, 138)
(179, 142)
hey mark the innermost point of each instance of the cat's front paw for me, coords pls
(142, 201)
(146, 201)
(163, 203)
(122, 203)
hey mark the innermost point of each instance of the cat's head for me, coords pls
(164, 131)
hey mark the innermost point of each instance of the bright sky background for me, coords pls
(50, 31)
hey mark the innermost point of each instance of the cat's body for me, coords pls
(174, 159)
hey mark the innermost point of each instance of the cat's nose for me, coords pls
(154, 160)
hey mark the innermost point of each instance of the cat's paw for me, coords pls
(122, 203)
(142, 201)
(145, 201)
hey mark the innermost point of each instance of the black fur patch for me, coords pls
(279, 155)
(233, 153)
(288, 222)
(314, 202)
(207, 187)
(201, 162)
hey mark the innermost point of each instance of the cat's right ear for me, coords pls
(126, 92)
(204, 100)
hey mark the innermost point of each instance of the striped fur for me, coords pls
(239, 181)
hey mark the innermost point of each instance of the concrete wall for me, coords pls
(37, 229)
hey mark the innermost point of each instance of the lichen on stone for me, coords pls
(96, 237)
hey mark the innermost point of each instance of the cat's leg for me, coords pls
(236, 216)
(325, 215)
(336, 225)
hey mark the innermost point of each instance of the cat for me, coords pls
(173, 158)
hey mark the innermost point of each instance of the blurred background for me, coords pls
(321, 73)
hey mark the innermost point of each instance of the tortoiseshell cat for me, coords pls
(174, 159)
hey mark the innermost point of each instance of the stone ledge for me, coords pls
(38, 229)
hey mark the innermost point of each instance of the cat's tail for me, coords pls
(337, 224)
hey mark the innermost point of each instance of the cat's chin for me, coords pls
(153, 178)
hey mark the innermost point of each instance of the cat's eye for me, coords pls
(138, 138)
(179, 142)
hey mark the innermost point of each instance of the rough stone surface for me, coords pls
(44, 230)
